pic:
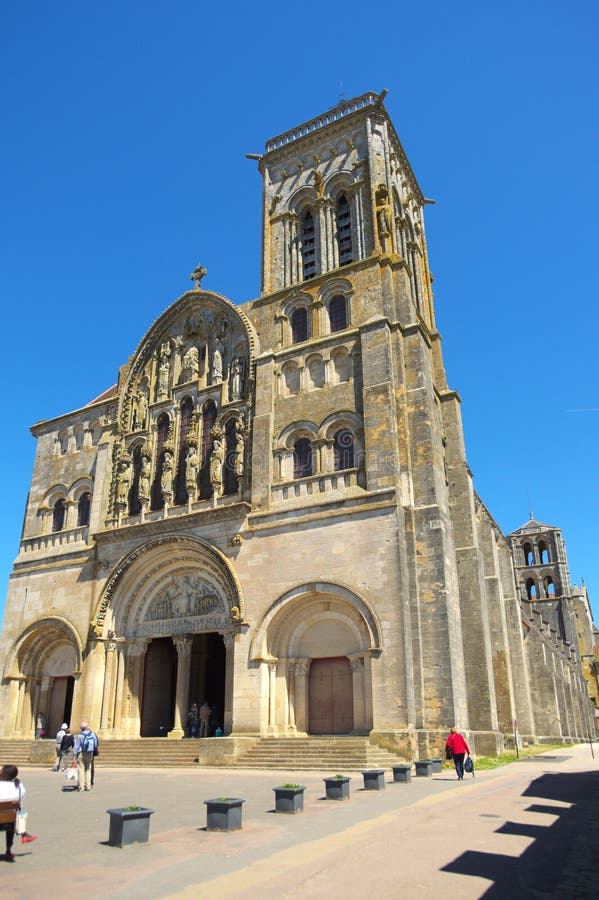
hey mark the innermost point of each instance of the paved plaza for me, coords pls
(518, 831)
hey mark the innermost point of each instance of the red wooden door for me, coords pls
(330, 696)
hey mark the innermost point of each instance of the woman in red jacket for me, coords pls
(459, 748)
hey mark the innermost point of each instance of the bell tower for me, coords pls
(338, 190)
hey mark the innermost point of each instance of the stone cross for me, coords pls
(197, 275)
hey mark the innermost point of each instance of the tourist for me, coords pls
(458, 748)
(59, 736)
(193, 720)
(12, 789)
(66, 750)
(86, 747)
(204, 719)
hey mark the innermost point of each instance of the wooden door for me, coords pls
(330, 696)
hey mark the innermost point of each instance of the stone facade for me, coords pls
(272, 510)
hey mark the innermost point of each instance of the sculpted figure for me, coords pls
(163, 376)
(239, 449)
(191, 365)
(166, 481)
(216, 466)
(144, 478)
(122, 485)
(142, 407)
(217, 361)
(236, 379)
(192, 467)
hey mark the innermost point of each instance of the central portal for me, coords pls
(331, 706)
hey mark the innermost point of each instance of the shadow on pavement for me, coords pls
(537, 871)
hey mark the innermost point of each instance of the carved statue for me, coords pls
(198, 273)
(144, 478)
(236, 378)
(239, 449)
(216, 466)
(190, 364)
(142, 407)
(318, 182)
(164, 372)
(217, 361)
(192, 467)
(166, 480)
(383, 222)
(123, 483)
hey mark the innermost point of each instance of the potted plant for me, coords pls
(223, 814)
(337, 787)
(374, 779)
(402, 773)
(289, 798)
(129, 825)
(424, 768)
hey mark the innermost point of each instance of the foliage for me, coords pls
(494, 762)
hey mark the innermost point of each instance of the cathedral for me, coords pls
(272, 511)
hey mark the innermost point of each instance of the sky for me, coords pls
(125, 132)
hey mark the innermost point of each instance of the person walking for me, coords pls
(456, 743)
(66, 750)
(86, 747)
(12, 789)
(59, 736)
(193, 720)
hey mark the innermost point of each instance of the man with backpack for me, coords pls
(86, 748)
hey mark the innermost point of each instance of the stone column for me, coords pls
(118, 693)
(357, 670)
(183, 645)
(272, 697)
(291, 698)
(44, 696)
(108, 694)
(11, 714)
(133, 688)
(302, 670)
(229, 642)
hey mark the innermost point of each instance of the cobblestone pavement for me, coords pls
(529, 829)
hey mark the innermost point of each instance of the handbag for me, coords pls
(469, 765)
(448, 753)
(21, 822)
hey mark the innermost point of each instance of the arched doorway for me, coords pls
(158, 699)
(316, 644)
(330, 696)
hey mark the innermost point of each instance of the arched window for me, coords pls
(208, 420)
(315, 372)
(337, 313)
(531, 590)
(342, 365)
(549, 588)
(58, 515)
(529, 557)
(398, 222)
(134, 501)
(83, 508)
(543, 552)
(291, 379)
(344, 241)
(185, 422)
(302, 458)
(308, 246)
(299, 325)
(343, 450)
(162, 428)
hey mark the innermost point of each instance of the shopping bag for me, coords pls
(469, 765)
(73, 775)
(21, 822)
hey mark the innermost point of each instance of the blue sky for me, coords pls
(125, 128)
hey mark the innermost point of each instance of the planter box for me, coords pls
(437, 764)
(424, 768)
(402, 773)
(374, 779)
(223, 814)
(129, 826)
(289, 800)
(337, 788)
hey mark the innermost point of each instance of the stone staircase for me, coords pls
(323, 754)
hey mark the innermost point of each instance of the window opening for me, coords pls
(343, 450)
(58, 515)
(83, 508)
(338, 313)
(299, 325)
(344, 240)
(308, 246)
(184, 424)
(302, 458)
(162, 427)
(134, 501)
(208, 420)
